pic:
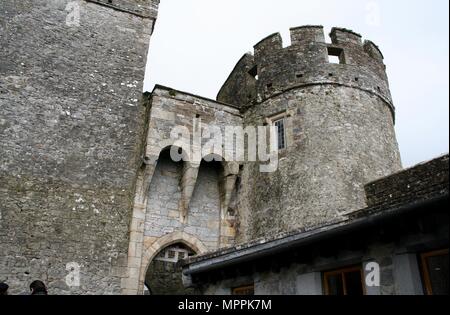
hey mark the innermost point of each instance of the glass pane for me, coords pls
(353, 283)
(438, 271)
(281, 134)
(335, 285)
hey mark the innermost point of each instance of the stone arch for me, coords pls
(227, 177)
(146, 173)
(214, 156)
(151, 251)
(185, 153)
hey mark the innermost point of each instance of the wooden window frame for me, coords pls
(235, 291)
(425, 270)
(342, 272)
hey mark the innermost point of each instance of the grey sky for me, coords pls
(197, 43)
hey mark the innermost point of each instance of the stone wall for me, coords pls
(170, 109)
(398, 261)
(422, 182)
(339, 139)
(339, 128)
(274, 69)
(71, 124)
(394, 237)
(187, 201)
(307, 279)
(163, 215)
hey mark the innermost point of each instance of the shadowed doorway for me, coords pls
(164, 275)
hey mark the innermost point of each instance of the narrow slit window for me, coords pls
(336, 55)
(254, 72)
(280, 124)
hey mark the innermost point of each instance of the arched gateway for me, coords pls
(160, 272)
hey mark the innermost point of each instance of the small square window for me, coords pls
(336, 55)
(171, 254)
(280, 124)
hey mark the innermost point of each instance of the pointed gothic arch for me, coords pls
(151, 251)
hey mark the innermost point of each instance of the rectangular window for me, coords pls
(246, 290)
(435, 272)
(336, 55)
(281, 131)
(348, 281)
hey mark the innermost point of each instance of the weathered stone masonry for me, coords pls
(185, 202)
(85, 171)
(406, 216)
(340, 128)
(340, 136)
(71, 128)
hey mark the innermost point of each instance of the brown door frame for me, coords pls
(425, 270)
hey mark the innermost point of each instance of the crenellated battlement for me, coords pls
(343, 36)
(306, 34)
(272, 42)
(274, 69)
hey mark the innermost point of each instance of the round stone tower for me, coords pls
(335, 107)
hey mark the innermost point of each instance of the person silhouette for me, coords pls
(3, 288)
(38, 288)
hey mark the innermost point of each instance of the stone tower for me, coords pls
(71, 128)
(338, 121)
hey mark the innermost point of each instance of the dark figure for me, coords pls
(38, 288)
(4, 289)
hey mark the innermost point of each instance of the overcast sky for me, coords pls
(197, 43)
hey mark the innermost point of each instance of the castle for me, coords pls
(89, 186)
